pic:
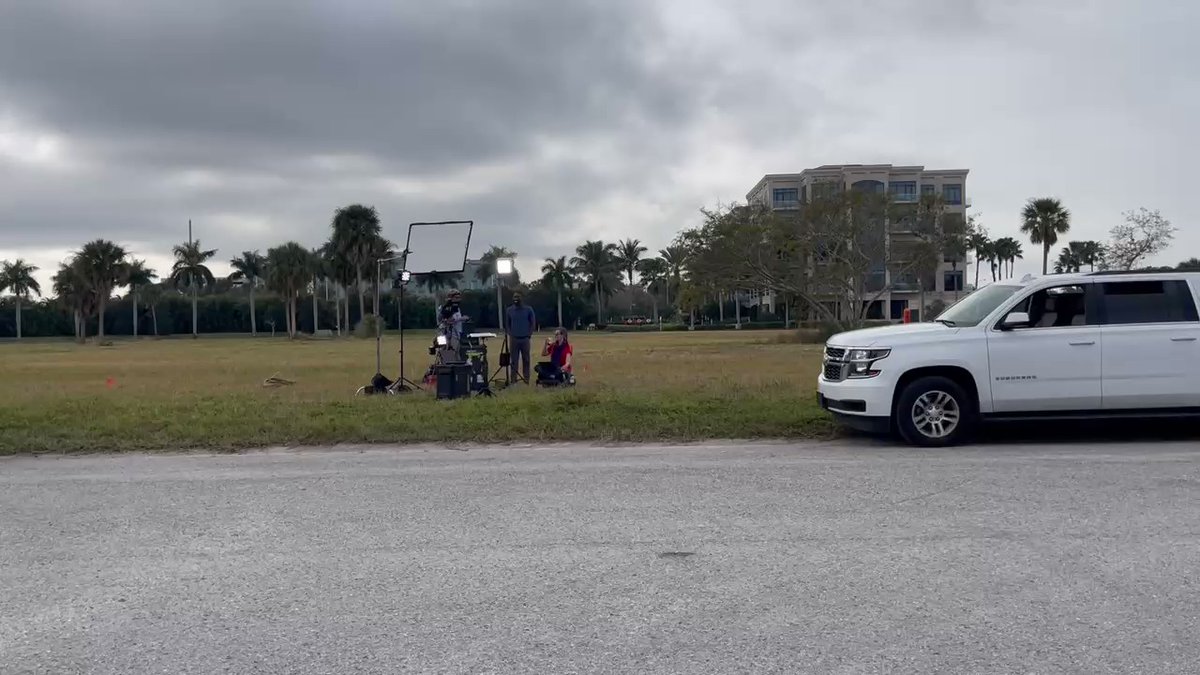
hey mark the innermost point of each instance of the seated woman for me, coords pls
(558, 369)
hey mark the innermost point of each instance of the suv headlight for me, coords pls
(862, 362)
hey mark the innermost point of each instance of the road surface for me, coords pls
(848, 558)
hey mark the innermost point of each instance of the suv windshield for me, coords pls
(977, 306)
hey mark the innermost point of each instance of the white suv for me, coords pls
(1080, 345)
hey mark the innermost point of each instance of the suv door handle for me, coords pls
(1083, 344)
(1183, 339)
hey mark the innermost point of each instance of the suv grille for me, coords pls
(834, 352)
(833, 372)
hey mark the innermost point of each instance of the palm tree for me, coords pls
(289, 267)
(342, 273)
(676, 258)
(103, 266)
(654, 272)
(436, 281)
(152, 295)
(189, 269)
(979, 243)
(1068, 261)
(250, 267)
(1091, 253)
(138, 276)
(356, 232)
(628, 255)
(556, 274)
(72, 290)
(1043, 220)
(1007, 250)
(595, 261)
(16, 277)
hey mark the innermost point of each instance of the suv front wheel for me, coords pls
(935, 412)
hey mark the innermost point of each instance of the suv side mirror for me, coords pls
(1015, 320)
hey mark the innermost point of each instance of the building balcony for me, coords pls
(786, 204)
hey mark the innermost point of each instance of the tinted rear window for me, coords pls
(1128, 302)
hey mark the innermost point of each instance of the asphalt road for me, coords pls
(846, 558)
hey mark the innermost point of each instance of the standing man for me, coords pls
(522, 323)
(450, 322)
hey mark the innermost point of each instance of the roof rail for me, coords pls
(1152, 270)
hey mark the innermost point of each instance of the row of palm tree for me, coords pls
(605, 268)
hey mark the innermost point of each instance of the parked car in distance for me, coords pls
(1096, 345)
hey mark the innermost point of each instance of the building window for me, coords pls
(928, 189)
(868, 186)
(952, 194)
(903, 191)
(786, 196)
(953, 280)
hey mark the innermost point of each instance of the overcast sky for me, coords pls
(548, 122)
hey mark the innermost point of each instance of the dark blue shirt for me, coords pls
(521, 321)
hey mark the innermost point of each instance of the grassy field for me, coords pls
(208, 394)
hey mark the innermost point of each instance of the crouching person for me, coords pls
(557, 370)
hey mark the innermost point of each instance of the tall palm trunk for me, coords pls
(362, 301)
(18, 317)
(599, 316)
(314, 293)
(100, 327)
(346, 308)
(195, 326)
(1045, 258)
(253, 313)
(737, 309)
(560, 323)
(977, 262)
(154, 318)
(133, 295)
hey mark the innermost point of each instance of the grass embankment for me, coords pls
(208, 394)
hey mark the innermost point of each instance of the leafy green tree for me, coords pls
(289, 268)
(1189, 265)
(655, 274)
(356, 235)
(596, 262)
(16, 277)
(250, 267)
(138, 276)
(1043, 221)
(556, 274)
(103, 265)
(190, 271)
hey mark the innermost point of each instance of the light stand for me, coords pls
(504, 268)
(402, 383)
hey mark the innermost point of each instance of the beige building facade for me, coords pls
(904, 184)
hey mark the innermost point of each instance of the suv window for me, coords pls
(1056, 307)
(1127, 302)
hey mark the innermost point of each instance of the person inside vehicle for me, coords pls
(558, 370)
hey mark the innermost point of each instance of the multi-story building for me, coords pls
(905, 184)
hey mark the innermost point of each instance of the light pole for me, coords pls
(504, 267)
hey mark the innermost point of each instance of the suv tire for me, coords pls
(935, 412)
